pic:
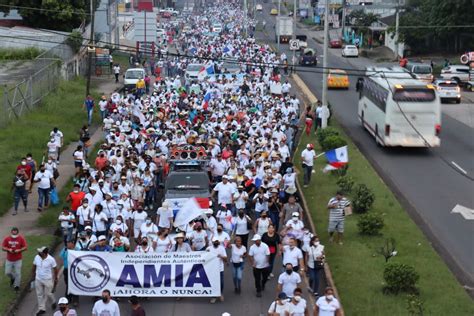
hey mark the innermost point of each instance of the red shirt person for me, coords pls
(14, 245)
(75, 198)
(24, 166)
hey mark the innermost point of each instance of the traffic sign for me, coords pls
(294, 44)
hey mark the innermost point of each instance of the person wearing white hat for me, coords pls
(64, 309)
(180, 245)
(295, 223)
(307, 159)
(259, 255)
(219, 251)
(164, 217)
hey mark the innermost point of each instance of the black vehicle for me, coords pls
(308, 57)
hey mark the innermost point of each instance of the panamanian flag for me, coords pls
(337, 158)
(206, 70)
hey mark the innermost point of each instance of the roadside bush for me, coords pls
(19, 53)
(324, 133)
(345, 184)
(333, 142)
(415, 305)
(74, 40)
(400, 278)
(370, 224)
(363, 199)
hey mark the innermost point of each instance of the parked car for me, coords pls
(350, 51)
(335, 43)
(423, 72)
(459, 73)
(448, 90)
(308, 57)
(338, 78)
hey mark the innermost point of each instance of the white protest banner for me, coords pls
(275, 87)
(174, 274)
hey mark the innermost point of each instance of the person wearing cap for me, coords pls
(106, 305)
(336, 207)
(308, 155)
(45, 274)
(101, 244)
(259, 255)
(327, 305)
(14, 245)
(84, 215)
(59, 139)
(279, 307)
(164, 216)
(298, 305)
(295, 223)
(218, 250)
(20, 191)
(137, 309)
(64, 310)
(180, 245)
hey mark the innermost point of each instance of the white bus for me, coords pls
(399, 110)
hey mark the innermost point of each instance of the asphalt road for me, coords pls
(427, 186)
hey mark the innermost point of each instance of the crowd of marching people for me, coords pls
(249, 135)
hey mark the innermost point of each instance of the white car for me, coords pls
(448, 90)
(217, 28)
(350, 51)
(192, 72)
(459, 73)
(259, 7)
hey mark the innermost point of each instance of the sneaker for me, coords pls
(14, 213)
(213, 300)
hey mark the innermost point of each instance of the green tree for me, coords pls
(62, 15)
(361, 21)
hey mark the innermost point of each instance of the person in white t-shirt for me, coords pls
(298, 305)
(59, 139)
(103, 107)
(198, 238)
(44, 178)
(106, 306)
(164, 217)
(259, 255)
(279, 307)
(288, 281)
(327, 305)
(138, 218)
(307, 159)
(219, 251)
(238, 254)
(294, 256)
(225, 192)
(45, 273)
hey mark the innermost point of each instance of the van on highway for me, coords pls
(131, 76)
(423, 72)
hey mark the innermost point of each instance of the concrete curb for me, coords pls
(327, 270)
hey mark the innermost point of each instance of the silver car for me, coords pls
(448, 90)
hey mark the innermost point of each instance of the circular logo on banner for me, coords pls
(90, 273)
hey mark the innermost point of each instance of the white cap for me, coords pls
(88, 227)
(208, 211)
(295, 214)
(226, 314)
(215, 239)
(63, 300)
(101, 237)
(256, 237)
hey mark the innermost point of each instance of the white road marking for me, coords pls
(467, 213)
(459, 167)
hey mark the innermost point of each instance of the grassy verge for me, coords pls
(358, 269)
(30, 133)
(8, 295)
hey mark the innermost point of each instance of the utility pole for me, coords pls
(276, 26)
(343, 17)
(325, 110)
(294, 33)
(397, 15)
(245, 17)
(90, 50)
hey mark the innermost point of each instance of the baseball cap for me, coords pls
(101, 237)
(256, 237)
(295, 214)
(41, 249)
(63, 300)
(282, 296)
(88, 228)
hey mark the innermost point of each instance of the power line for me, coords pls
(45, 10)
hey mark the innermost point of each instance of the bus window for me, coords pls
(414, 95)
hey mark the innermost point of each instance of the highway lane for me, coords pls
(425, 183)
